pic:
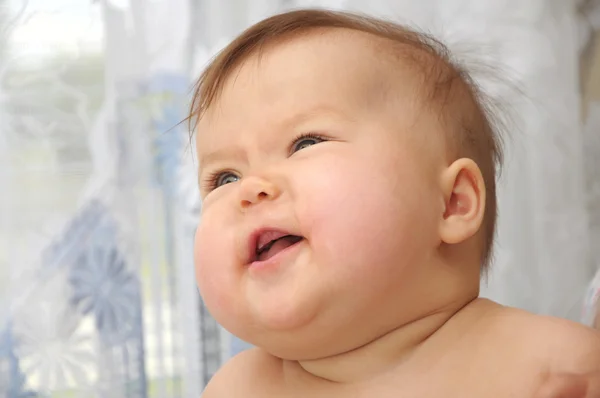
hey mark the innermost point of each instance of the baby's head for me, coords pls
(347, 171)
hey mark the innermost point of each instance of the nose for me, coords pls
(254, 190)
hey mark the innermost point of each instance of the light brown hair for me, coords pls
(446, 87)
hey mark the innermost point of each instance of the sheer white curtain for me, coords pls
(97, 292)
(591, 78)
(149, 56)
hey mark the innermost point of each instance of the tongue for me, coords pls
(278, 246)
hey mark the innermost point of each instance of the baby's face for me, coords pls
(321, 208)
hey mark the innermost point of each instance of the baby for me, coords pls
(347, 172)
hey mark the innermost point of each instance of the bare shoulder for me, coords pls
(248, 374)
(572, 347)
(561, 345)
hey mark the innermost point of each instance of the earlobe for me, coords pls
(464, 201)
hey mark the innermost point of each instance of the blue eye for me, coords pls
(305, 141)
(220, 178)
(225, 178)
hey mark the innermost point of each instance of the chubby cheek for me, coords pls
(362, 220)
(214, 273)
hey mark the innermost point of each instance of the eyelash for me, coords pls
(210, 183)
(305, 136)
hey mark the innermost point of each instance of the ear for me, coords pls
(464, 201)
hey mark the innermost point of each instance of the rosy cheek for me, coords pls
(334, 211)
(210, 274)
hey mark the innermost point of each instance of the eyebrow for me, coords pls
(318, 110)
(237, 152)
(227, 152)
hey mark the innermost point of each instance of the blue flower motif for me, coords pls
(103, 287)
(162, 98)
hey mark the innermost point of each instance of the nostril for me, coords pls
(259, 197)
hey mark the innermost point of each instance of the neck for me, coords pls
(384, 353)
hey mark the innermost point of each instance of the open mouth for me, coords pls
(271, 243)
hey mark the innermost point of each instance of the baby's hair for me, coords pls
(446, 87)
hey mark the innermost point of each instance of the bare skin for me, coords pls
(570, 385)
(379, 298)
(485, 350)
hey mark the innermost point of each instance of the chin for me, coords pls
(289, 336)
(285, 315)
(314, 340)
(266, 326)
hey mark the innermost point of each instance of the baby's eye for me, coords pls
(304, 141)
(226, 178)
(221, 178)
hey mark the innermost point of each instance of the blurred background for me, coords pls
(98, 195)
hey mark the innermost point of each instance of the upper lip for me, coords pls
(261, 237)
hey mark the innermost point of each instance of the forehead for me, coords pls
(336, 69)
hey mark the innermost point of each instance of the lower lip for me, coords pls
(276, 260)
